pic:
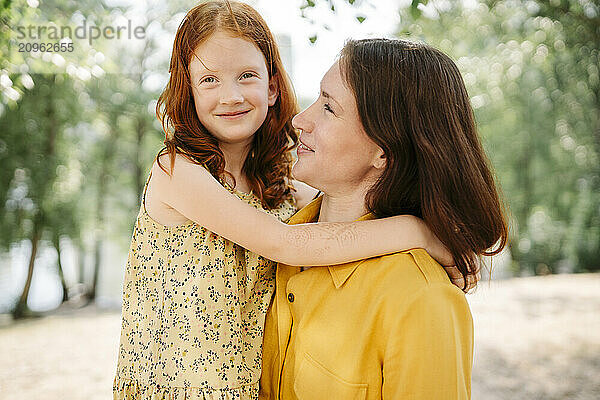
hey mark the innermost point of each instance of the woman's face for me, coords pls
(335, 154)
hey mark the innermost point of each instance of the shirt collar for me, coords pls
(310, 213)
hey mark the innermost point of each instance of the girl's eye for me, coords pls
(208, 79)
(327, 108)
(246, 75)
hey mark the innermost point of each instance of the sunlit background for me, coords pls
(78, 135)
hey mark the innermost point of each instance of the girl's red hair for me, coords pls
(268, 164)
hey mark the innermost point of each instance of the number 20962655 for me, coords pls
(46, 47)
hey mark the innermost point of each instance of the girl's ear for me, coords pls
(273, 91)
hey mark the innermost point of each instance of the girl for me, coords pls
(199, 276)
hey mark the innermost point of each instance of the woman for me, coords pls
(392, 132)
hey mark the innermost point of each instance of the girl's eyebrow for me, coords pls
(249, 67)
(329, 97)
(204, 66)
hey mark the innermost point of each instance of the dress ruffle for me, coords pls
(129, 389)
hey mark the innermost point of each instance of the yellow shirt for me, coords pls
(390, 327)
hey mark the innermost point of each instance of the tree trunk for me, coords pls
(61, 275)
(100, 220)
(21, 310)
(109, 150)
(81, 264)
(97, 260)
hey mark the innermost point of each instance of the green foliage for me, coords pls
(76, 145)
(36, 179)
(532, 71)
(21, 24)
(75, 151)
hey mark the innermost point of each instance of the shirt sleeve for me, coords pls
(429, 351)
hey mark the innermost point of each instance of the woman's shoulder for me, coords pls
(409, 272)
(412, 278)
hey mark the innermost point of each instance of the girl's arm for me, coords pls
(304, 194)
(196, 194)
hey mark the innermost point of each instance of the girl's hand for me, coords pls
(435, 247)
(442, 255)
(457, 279)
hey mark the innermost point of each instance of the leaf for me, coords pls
(313, 38)
(415, 12)
(351, 2)
(310, 3)
(360, 18)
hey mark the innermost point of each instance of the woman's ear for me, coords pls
(380, 159)
(273, 91)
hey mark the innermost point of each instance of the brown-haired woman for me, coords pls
(199, 278)
(391, 133)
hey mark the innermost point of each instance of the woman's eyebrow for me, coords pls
(329, 97)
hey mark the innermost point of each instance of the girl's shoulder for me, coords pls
(182, 169)
(165, 181)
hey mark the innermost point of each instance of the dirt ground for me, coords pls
(536, 338)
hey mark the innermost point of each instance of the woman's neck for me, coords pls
(343, 207)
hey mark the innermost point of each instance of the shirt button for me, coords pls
(291, 297)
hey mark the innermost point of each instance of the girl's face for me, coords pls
(231, 87)
(342, 157)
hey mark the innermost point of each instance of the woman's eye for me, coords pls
(246, 75)
(327, 108)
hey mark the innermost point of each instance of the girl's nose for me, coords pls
(231, 94)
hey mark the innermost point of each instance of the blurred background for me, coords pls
(78, 135)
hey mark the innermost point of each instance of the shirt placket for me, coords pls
(287, 301)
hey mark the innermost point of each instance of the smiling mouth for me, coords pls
(232, 115)
(304, 147)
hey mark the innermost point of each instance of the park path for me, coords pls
(536, 338)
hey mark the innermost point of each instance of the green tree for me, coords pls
(33, 134)
(532, 72)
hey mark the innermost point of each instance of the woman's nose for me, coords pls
(301, 121)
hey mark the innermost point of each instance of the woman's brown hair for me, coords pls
(413, 103)
(268, 164)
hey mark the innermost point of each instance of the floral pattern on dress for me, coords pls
(194, 307)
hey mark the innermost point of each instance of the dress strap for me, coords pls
(145, 189)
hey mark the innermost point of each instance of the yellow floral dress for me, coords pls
(194, 307)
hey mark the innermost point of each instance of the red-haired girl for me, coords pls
(200, 271)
